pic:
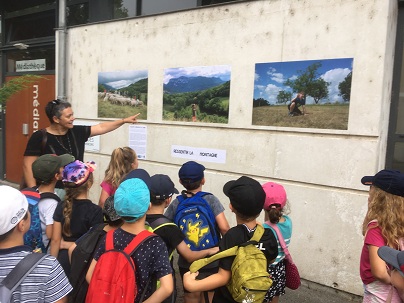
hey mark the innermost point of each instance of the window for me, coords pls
(77, 14)
(31, 26)
(395, 143)
(13, 57)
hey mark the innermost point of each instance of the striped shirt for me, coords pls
(46, 283)
(286, 230)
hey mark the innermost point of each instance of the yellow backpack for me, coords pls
(250, 279)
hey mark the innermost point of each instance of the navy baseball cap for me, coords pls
(162, 187)
(191, 172)
(390, 181)
(139, 174)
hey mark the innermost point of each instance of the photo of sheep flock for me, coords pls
(122, 94)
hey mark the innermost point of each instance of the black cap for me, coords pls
(246, 195)
(162, 187)
(391, 181)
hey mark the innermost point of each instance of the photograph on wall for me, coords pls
(122, 94)
(307, 94)
(197, 94)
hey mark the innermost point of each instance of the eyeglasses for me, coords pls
(56, 102)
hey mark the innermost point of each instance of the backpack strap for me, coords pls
(138, 239)
(49, 195)
(21, 270)
(156, 224)
(281, 241)
(198, 264)
(131, 247)
(44, 140)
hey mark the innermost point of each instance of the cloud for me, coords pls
(119, 77)
(220, 71)
(267, 92)
(335, 77)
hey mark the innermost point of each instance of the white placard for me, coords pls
(138, 140)
(93, 143)
(30, 65)
(199, 153)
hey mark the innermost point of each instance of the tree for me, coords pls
(345, 88)
(15, 85)
(319, 89)
(283, 97)
(310, 82)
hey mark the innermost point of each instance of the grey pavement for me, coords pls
(308, 292)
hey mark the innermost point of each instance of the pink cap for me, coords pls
(275, 194)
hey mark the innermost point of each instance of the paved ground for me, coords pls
(309, 292)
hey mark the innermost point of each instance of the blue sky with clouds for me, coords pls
(220, 71)
(270, 77)
(120, 79)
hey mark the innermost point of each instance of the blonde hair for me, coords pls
(72, 193)
(120, 164)
(387, 209)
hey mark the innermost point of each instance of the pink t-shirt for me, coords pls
(373, 237)
(108, 188)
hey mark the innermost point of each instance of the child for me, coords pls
(77, 214)
(132, 200)
(247, 199)
(191, 176)
(395, 258)
(275, 202)
(81, 257)
(161, 192)
(383, 226)
(47, 281)
(123, 160)
(47, 170)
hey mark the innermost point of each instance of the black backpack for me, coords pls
(81, 259)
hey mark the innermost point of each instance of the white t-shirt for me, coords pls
(46, 209)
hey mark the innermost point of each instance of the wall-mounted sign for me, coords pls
(199, 153)
(30, 65)
(93, 143)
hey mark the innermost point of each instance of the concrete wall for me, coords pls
(320, 169)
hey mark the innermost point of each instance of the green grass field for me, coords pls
(318, 116)
(108, 110)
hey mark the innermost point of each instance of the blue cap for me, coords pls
(132, 199)
(191, 172)
(390, 181)
(139, 174)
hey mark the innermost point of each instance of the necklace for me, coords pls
(62, 145)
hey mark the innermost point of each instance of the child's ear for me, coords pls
(168, 201)
(203, 181)
(231, 207)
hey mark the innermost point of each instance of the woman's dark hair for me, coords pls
(54, 108)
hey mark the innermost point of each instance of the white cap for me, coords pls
(13, 207)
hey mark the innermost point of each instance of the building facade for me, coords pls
(346, 55)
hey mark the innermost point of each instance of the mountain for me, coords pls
(191, 84)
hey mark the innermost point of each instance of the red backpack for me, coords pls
(114, 278)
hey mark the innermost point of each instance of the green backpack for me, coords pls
(250, 279)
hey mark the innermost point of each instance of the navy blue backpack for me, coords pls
(196, 220)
